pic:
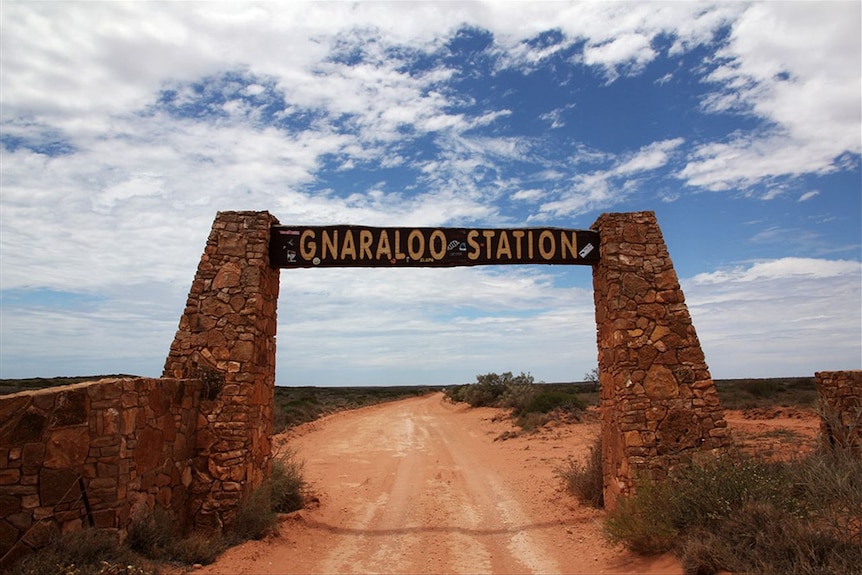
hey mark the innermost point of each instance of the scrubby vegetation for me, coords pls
(287, 484)
(285, 491)
(154, 538)
(531, 404)
(86, 552)
(584, 479)
(739, 513)
(775, 392)
(742, 512)
(295, 405)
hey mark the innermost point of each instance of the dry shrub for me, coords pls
(196, 548)
(584, 479)
(84, 552)
(644, 523)
(761, 538)
(151, 533)
(255, 517)
(287, 483)
(283, 492)
(532, 421)
(741, 514)
(156, 536)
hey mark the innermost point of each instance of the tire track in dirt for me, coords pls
(420, 486)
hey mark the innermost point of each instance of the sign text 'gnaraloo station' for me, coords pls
(363, 246)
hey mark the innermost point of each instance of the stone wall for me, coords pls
(658, 402)
(840, 395)
(92, 454)
(226, 337)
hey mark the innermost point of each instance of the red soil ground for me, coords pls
(425, 486)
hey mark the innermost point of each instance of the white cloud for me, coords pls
(528, 195)
(802, 314)
(588, 192)
(782, 269)
(665, 79)
(749, 159)
(140, 206)
(127, 331)
(798, 67)
(137, 186)
(603, 188)
(620, 36)
(809, 195)
(650, 157)
(631, 49)
(130, 49)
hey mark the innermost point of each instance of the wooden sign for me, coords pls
(363, 246)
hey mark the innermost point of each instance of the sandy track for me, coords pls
(421, 486)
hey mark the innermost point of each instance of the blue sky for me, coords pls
(127, 126)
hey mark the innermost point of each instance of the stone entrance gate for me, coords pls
(658, 401)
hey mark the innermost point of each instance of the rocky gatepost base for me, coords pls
(840, 395)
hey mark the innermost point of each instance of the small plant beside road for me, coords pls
(584, 479)
(283, 492)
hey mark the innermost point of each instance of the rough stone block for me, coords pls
(67, 447)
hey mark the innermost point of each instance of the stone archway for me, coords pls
(658, 401)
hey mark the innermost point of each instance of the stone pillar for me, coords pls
(658, 400)
(840, 395)
(226, 338)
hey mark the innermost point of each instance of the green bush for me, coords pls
(547, 401)
(712, 489)
(487, 391)
(493, 390)
(455, 393)
(518, 394)
(531, 405)
(740, 514)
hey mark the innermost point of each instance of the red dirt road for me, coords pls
(421, 486)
